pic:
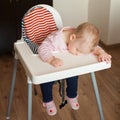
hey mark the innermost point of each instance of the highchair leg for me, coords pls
(94, 82)
(12, 88)
(29, 100)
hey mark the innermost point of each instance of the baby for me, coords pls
(83, 39)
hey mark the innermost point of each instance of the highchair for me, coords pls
(37, 23)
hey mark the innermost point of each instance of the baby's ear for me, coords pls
(72, 37)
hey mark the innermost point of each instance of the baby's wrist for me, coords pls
(102, 52)
(50, 59)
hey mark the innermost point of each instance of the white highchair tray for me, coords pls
(40, 72)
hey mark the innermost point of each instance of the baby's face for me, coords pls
(75, 47)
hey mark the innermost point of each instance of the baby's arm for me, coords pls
(102, 55)
(45, 51)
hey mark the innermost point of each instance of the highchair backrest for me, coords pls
(38, 22)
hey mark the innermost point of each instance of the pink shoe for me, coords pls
(50, 108)
(73, 102)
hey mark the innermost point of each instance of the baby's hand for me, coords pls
(104, 57)
(56, 62)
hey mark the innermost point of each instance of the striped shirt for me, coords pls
(53, 42)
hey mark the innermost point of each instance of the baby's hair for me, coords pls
(90, 29)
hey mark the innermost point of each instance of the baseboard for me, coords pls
(109, 46)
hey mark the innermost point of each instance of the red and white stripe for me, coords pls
(38, 24)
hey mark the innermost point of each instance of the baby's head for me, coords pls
(83, 39)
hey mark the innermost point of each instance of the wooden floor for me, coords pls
(108, 83)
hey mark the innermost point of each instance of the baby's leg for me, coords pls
(46, 89)
(72, 86)
(48, 102)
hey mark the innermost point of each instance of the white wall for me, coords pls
(105, 14)
(73, 12)
(98, 13)
(114, 30)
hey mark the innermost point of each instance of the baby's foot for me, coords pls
(50, 108)
(73, 102)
